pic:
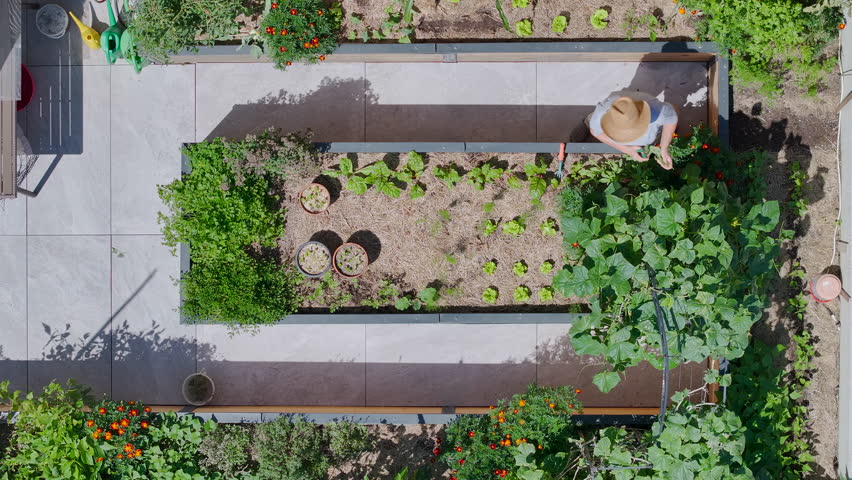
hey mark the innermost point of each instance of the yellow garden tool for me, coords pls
(91, 37)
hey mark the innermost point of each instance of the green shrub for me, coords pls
(347, 440)
(713, 254)
(122, 431)
(273, 154)
(540, 417)
(166, 27)
(291, 449)
(227, 449)
(769, 38)
(174, 449)
(49, 439)
(697, 442)
(242, 291)
(215, 215)
(301, 30)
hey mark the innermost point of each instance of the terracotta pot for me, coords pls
(825, 288)
(299, 254)
(363, 252)
(198, 389)
(324, 193)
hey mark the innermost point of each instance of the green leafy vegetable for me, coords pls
(560, 24)
(599, 19)
(490, 294)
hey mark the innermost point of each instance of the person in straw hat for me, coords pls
(628, 120)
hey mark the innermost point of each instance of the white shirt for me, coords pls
(662, 113)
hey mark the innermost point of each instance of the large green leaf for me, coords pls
(606, 381)
(574, 229)
(586, 345)
(668, 221)
(615, 206)
(357, 184)
(764, 216)
(573, 282)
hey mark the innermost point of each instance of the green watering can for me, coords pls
(111, 37)
(129, 50)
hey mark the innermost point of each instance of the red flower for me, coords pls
(436, 451)
(471, 434)
(134, 412)
(270, 30)
(99, 430)
(306, 45)
(102, 410)
(147, 409)
(322, 57)
(312, 25)
(90, 423)
(127, 447)
(143, 424)
(459, 449)
(694, 12)
(575, 244)
(841, 26)
(570, 405)
(320, 12)
(492, 446)
(289, 63)
(715, 149)
(733, 51)
(108, 436)
(119, 456)
(113, 425)
(274, 5)
(131, 403)
(729, 182)
(315, 40)
(99, 459)
(293, 11)
(461, 461)
(124, 422)
(719, 176)
(138, 452)
(282, 49)
(120, 431)
(578, 391)
(515, 411)
(120, 408)
(283, 31)
(705, 146)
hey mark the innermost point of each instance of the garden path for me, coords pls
(86, 288)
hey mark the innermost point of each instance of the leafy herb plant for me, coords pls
(545, 294)
(482, 175)
(514, 227)
(520, 268)
(548, 227)
(489, 226)
(524, 28)
(490, 267)
(599, 19)
(560, 24)
(449, 174)
(546, 267)
(489, 295)
(522, 294)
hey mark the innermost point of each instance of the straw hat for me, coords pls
(626, 120)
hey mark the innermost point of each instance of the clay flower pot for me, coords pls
(313, 259)
(350, 260)
(198, 389)
(314, 199)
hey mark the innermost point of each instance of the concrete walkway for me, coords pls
(86, 288)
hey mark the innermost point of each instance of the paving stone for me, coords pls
(68, 125)
(427, 96)
(286, 365)
(151, 125)
(13, 216)
(13, 311)
(68, 305)
(568, 92)
(236, 99)
(448, 364)
(152, 352)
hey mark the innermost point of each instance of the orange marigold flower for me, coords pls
(681, 10)
(124, 422)
(694, 12)
(120, 431)
(96, 434)
(134, 435)
(306, 45)
(119, 456)
(539, 447)
(521, 422)
(322, 57)
(705, 146)
(108, 436)
(127, 447)
(578, 391)
(570, 405)
(134, 412)
(293, 11)
(113, 425)
(99, 459)
(320, 12)
(501, 419)
(147, 409)
(459, 449)
(552, 405)
(289, 63)
(120, 408)
(515, 411)
(841, 26)
(674, 135)
(522, 402)
(143, 424)
(99, 430)
(90, 423)
(273, 6)
(131, 402)
(270, 30)
(138, 452)
(102, 410)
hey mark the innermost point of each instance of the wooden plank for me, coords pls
(8, 149)
(583, 57)
(713, 97)
(712, 388)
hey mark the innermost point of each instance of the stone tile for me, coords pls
(68, 308)
(568, 92)
(448, 365)
(72, 174)
(236, 99)
(13, 311)
(152, 352)
(150, 127)
(435, 109)
(13, 216)
(640, 387)
(286, 365)
(68, 50)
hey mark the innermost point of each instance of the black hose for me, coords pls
(664, 344)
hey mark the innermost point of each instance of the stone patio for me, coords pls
(87, 290)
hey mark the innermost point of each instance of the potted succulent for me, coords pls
(198, 389)
(314, 199)
(313, 259)
(350, 260)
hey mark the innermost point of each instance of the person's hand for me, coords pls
(633, 152)
(665, 160)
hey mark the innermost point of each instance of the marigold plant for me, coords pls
(300, 31)
(479, 446)
(121, 429)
